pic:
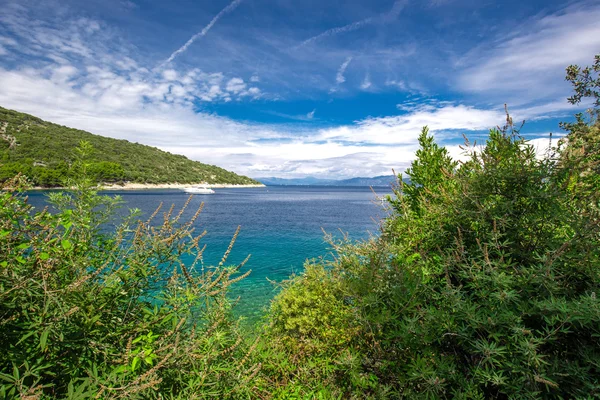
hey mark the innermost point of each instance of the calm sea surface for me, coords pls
(281, 227)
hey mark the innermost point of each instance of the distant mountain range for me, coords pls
(384, 180)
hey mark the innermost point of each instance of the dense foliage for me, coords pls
(44, 151)
(112, 313)
(483, 284)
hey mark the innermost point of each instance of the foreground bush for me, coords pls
(484, 282)
(88, 311)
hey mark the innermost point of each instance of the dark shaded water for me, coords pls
(282, 227)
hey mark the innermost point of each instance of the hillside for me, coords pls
(43, 151)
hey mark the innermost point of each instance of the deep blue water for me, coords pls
(281, 227)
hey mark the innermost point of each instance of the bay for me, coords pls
(281, 227)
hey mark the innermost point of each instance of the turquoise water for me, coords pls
(281, 227)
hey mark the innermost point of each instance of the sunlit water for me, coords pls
(281, 227)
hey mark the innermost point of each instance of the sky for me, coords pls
(289, 89)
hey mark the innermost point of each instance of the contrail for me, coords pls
(334, 31)
(204, 31)
(389, 16)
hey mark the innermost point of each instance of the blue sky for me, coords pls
(284, 88)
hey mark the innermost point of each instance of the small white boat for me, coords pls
(198, 190)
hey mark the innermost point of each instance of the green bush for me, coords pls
(483, 284)
(89, 312)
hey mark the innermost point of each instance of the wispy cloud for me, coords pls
(340, 78)
(335, 31)
(528, 65)
(294, 117)
(396, 9)
(232, 6)
(128, 4)
(366, 83)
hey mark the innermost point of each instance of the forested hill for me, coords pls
(43, 151)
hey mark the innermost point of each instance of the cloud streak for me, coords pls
(394, 12)
(335, 31)
(340, 78)
(232, 6)
(366, 83)
(530, 63)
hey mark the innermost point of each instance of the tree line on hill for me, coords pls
(44, 152)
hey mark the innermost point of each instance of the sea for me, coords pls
(282, 228)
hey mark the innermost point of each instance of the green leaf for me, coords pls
(135, 363)
(66, 244)
(7, 378)
(120, 369)
(4, 264)
(44, 340)
(44, 256)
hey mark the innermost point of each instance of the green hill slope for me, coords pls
(43, 151)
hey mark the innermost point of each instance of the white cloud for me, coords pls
(311, 114)
(400, 85)
(158, 114)
(404, 129)
(366, 83)
(235, 85)
(7, 41)
(170, 74)
(530, 63)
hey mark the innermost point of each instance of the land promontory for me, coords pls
(45, 151)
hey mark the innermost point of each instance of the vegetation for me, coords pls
(88, 314)
(483, 284)
(44, 151)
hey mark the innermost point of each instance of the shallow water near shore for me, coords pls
(281, 227)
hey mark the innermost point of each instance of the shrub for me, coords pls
(309, 315)
(484, 281)
(125, 312)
